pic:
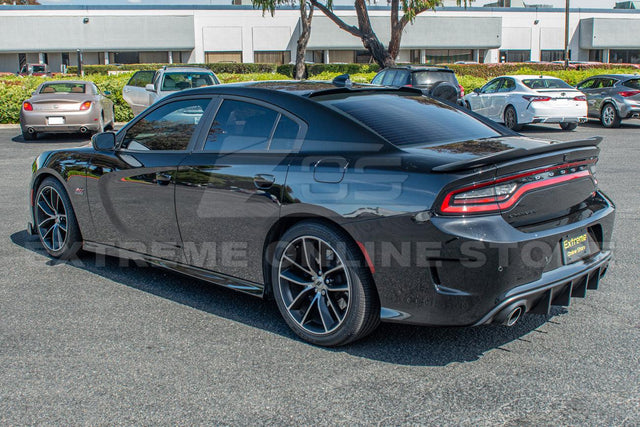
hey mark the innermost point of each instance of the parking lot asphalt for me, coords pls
(92, 343)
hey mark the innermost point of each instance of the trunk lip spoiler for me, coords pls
(517, 153)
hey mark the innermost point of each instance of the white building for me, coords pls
(204, 33)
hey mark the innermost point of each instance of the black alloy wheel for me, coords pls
(609, 116)
(322, 287)
(55, 220)
(511, 119)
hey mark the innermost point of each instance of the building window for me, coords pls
(213, 57)
(125, 58)
(552, 55)
(272, 57)
(482, 54)
(448, 56)
(363, 57)
(595, 55)
(414, 56)
(624, 56)
(318, 56)
(342, 56)
(515, 55)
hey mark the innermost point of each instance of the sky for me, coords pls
(604, 4)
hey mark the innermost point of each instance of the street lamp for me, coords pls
(566, 35)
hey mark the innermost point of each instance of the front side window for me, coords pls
(141, 78)
(179, 81)
(377, 80)
(492, 86)
(241, 126)
(389, 77)
(169, 127)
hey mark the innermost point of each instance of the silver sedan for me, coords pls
(66, 106)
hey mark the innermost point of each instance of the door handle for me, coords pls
(163, 178)
(263, 181)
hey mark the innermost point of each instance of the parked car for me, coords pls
(146, 87)
(438, 82)
(612, 97)
(519, 100)
(346, 205)
(66, 106)
(34, 70)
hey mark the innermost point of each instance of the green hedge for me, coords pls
(222, 67)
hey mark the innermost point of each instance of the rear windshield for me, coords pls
(63, 88)
(633, 83)
(180, 81)
(430, 77)
(546, 84)
(410, 120)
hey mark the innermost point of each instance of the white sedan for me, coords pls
(518, 100)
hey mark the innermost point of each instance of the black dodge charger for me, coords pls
(347, 205)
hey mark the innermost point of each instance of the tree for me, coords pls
(306, 14)
(385, 57)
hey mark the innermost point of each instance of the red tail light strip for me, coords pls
(493, 204)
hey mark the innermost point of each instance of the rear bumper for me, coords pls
(71, 121)
(465, 271)
(559, 120)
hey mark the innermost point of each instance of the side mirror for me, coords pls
(150, 87)
(33, 93)
(342, 80)
(104, 141)
(107, 92)
(476, 91)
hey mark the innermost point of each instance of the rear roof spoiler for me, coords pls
(517, 153)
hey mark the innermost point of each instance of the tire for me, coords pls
(101, 123)
(609, 116)
(445, 91)
(332, 307)
(568, 126)
(29, 136)
(111, 125)
(511, 119)
(467, 105)
(55, 220)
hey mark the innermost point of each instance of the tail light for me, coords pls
(409, 85)
(27, 106)
(628, 93)
(535, 98)
(503, 193)
(461, 90)
(85, 105)
(580, 98)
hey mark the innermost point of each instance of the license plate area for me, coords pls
(575, 246)
(55, 120)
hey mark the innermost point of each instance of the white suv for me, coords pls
(146, 87)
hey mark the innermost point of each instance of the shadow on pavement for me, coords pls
(72, 138)
(391, 343)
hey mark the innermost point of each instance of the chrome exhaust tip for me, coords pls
(83, 129)
(510, 315)
(31, 131)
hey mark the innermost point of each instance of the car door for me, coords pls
(500, 97)
(131, 191)
(482, 103)
(230, 190)
(589, 88)
(135, 93)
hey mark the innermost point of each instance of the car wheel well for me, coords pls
(277, 230)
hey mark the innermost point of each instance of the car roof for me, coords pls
(75, 82)
(531, 76)
(419, 68)
(618, 76)
(186, 69)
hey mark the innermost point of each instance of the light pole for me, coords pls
(566, 35)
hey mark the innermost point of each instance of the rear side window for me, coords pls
(411, 120)
(546, 84)
(430, 77)
(141, 78)
(633, 83)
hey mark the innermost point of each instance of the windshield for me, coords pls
(410, 120)
(181, 81)
(63, 88)
(546, 84)
(430, 77)
(38, 69)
